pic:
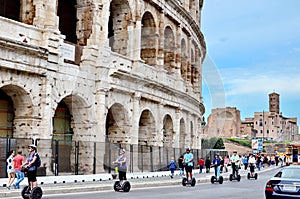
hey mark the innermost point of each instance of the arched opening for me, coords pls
(117, 129)
(182, 143)
(149, 39)
(168, 131)
(119, 20)
(66, 11)
(10, 9)
(169, 48)
(6, 115)
(147, 138)
(183, 65)
(62, 137)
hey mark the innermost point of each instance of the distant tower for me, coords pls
(274, 102)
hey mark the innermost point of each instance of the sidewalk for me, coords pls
(101, 182)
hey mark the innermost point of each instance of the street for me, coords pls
(245, 189)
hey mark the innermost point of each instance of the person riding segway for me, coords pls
(32, 191)
(188, 162)
(122, 184)
(217, 165)
(235, 161)
(252, 162)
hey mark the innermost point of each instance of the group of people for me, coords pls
(17, 166)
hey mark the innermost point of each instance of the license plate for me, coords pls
(289, 188)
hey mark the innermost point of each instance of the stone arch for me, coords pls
(149, 39)
(67, 13)
(147, 130)
(169, 49)
(119, 20)
(182, 131)
(168, 131)
(6, 115)
(23, 106)
(183, 65)
(117, 124)
(10, 9)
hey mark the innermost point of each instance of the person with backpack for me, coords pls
(32, 163)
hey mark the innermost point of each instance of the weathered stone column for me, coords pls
(135, 128)
(134, 40)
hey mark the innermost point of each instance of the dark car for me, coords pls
(285, 184)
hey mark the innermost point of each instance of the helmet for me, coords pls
(187, 149)
(122, 151)
(32, 146)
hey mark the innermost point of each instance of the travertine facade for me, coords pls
(121, 71)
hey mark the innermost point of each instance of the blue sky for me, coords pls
(253, 49)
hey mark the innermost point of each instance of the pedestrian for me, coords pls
(10, 169)
(122, 166)
(31, 166)
(201, 164)
(245, 162)
(18, 162)
(181, 165)
(172, 166)
(226, 162)
(207, 164)
(258, 162)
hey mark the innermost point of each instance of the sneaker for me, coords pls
(171, 176)
(8, 187)
(15, 187)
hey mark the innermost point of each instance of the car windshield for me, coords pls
(289, 173)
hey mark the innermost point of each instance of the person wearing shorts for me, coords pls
(188, 159)
(31, 167)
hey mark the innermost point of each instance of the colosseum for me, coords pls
(83, 78)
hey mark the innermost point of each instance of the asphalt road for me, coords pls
(245, 189)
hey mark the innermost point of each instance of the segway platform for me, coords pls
(214, 179)
(125, 187)
(35, 193)
(249, 176)
(186, 182)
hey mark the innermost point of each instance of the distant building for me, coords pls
(223, 122)
(270, 125)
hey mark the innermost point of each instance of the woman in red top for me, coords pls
(201, 164)
(18, 162)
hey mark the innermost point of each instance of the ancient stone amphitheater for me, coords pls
(100, 71)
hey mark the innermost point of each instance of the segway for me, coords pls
(125, 186)
(35, 193)
(235, 175)
(186, 181)
(252, 175)
(214, 179)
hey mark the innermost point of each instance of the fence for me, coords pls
(66, 157)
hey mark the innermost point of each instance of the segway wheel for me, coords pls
(230, 177)
(248, 176)
(36, 193)
(184, 181)
(116, 185)
(212, 179)
(126, 186)
(193, 182)
(238, 178)
(255, 176)
(25, 194)
(221, 179)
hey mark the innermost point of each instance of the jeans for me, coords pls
(200, 168)
(20, 178)
(181, 171)
(217, 171)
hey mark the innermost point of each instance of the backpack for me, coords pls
(38, 160)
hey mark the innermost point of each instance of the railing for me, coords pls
(67, 157)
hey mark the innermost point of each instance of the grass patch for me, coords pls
(242, 142)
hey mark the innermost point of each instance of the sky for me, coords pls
(253, 49)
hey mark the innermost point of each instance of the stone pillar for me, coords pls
(135, 127)
(160, 49)
(51, 16)
(134, 41)
(176, 128)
